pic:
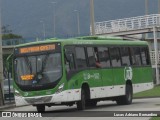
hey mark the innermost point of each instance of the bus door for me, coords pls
(94, 73)
(117, 71)
(106, 71)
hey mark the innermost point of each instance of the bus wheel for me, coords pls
(127, 98)
(81, 104)
(40, 108)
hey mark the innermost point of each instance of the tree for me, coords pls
(5, 29)
(7, 33)
(10, 36)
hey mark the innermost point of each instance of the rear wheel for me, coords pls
(40, 108)
(127, 98)
(81, 105)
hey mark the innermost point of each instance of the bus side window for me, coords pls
(115, 56)
(69, 60)
(91, 57)
(136, 56)
(145, 56)
(125, 56)
(81, 61)
(97, 60)
(104, 57)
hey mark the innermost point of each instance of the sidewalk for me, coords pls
(7, 105)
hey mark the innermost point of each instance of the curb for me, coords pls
(13, 105)
(146, 97)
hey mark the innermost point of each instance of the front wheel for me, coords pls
(127, 98)
(81, 105)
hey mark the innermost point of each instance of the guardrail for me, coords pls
(127, 24)
(12, 42)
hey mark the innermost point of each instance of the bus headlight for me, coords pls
(60, 88)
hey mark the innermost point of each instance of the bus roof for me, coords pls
(88, 40)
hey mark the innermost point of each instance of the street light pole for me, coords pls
(44, 31)
(54, 18)
(158, 6)
(92, 17)
(1, 60)
(78, 23)
(146, 7)
(146, 13)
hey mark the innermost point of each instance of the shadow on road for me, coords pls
(101, 110)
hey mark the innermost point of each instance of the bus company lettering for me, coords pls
(128, 74)
(88, 76)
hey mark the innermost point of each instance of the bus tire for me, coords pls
(127, 98)
(81, 105)
(40, 108)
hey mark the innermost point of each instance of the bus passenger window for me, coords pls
(115, 56)
(80, 57)
(96, 55)
(136, 57)
(91, 57)
(145, 56)
(125, 56)
(104, 56)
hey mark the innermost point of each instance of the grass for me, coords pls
(155, 92)
(155, 118)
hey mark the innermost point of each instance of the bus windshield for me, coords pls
(38, 70)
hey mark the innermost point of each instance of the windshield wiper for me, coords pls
(28, 64)
(44, 62)
(39, 74)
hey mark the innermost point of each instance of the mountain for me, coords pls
(24, 16)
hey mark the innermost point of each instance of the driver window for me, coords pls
(69, 58)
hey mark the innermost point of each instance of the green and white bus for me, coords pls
(80, 71)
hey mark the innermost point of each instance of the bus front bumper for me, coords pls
(58, 98)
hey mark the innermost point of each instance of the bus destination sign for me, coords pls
(39, 48)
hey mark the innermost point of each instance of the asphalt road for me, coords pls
(104, 110)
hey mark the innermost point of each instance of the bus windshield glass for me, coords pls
(38, 70)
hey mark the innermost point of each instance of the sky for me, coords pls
(25, 16)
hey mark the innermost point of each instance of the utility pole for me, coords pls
(146, 13)
(1, 60)
(54, 18)
(146, 7)
(92, 17)
(78, 24)
(158, 6)
(44, 29)
(156, 55)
